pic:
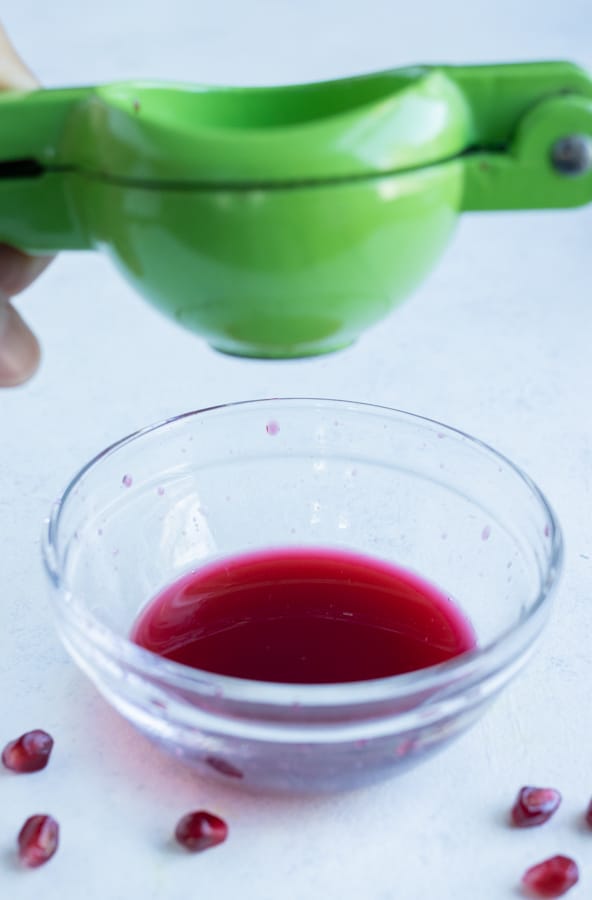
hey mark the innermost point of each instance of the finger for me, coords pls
(18, 270)
(14, 74)
(19, 349)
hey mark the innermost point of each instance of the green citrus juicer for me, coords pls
(283, 221)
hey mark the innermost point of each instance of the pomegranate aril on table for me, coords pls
(589, 814)
(535, 806)
(38, 840)
(28, 753)
(200, 830)
(551, 878)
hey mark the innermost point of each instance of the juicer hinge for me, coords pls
(572, 155)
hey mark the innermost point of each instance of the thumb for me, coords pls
(19, 350)
(14, 74)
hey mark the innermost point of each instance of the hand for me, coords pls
(19, 350)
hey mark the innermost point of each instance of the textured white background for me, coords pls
(496, 342)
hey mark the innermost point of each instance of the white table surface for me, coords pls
(497, 342)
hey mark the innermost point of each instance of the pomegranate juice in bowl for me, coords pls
(299, 616)
(301, 594)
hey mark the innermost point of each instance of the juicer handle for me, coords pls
(531, 141)
(37, 212)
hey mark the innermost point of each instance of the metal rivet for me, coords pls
(572, 155)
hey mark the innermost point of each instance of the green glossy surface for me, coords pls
(284, 221)
(189, 135)
(285, 272)
(378, 123)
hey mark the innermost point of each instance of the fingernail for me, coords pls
(19, 350)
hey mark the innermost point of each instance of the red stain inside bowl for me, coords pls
(303, 616)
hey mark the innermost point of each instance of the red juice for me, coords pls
(303, 616)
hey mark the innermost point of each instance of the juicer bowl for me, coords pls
(283, 221)
(282, 271)
(300, 473)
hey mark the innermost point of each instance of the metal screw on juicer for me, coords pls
(572, 155)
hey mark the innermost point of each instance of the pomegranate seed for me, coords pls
(551, 878)
(29, 753)
(200, 830)
(589, 814)
(535, 806)
(38, 840)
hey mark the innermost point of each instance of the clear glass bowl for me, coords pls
(300, 472)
